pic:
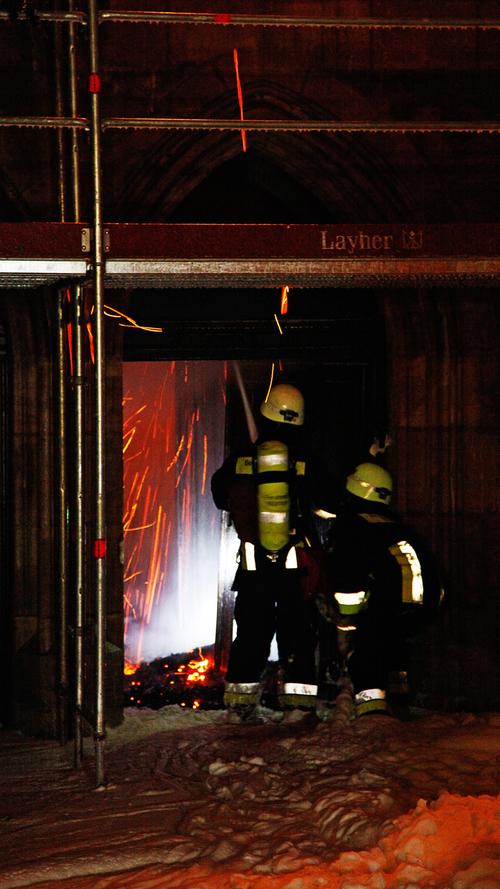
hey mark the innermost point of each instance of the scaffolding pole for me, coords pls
(73, 100)
(98, 317)
(62, 502)
(62, 509)
(78, 520)
(78, 467)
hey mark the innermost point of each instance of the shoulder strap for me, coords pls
(244, 465)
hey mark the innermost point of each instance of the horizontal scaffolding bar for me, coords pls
(73, 123)
(39, 16)
(322, 273)
(302, 126)
(38, 272)
(285, 21)
(260, 21)
(207, 274)
(266, 126)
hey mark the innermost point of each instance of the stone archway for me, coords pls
(353, 180)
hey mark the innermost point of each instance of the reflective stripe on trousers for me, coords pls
(299, 688)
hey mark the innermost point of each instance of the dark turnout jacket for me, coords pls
(372, 550)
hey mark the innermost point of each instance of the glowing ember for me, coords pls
(198, 670)
(90, 335)
(284, 300)
(182, 680)
(240, 97)
(111, 312)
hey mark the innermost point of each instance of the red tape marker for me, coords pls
(95, 83)
(100, 548)
(222, 18)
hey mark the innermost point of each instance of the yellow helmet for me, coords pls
(369, 481)
(284, 404)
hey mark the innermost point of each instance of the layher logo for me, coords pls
(361, 242)
(412, 239)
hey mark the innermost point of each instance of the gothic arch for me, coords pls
(350, 175)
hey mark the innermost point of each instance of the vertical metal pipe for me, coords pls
(62, 503)
(78, 517)
(100, 516)
(78, 419)
(61, 165)
(75, 148)
(62, 508)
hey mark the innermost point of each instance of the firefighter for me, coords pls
(269, 491)
(384, 588)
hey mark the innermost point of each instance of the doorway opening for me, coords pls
(180, 419)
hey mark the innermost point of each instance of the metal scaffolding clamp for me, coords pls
(87, 239)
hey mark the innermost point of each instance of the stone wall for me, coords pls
(443, 383)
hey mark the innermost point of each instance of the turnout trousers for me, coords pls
(270, 601)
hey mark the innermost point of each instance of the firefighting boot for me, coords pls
(297, 695)
(371, 701)
(241, 700)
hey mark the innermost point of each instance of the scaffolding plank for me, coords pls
(38, 272)
(166, 255)
(335, 273)
(266, 242)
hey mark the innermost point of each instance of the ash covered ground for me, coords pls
(195, 802)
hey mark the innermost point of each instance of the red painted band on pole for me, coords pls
(94, 83)
(222, 18)
(100, 546)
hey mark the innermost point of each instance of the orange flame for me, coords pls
(284, 300)
(91, 341)
(198, 669)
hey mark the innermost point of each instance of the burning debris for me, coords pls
(187, 679)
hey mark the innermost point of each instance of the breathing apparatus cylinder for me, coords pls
(273, 495)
